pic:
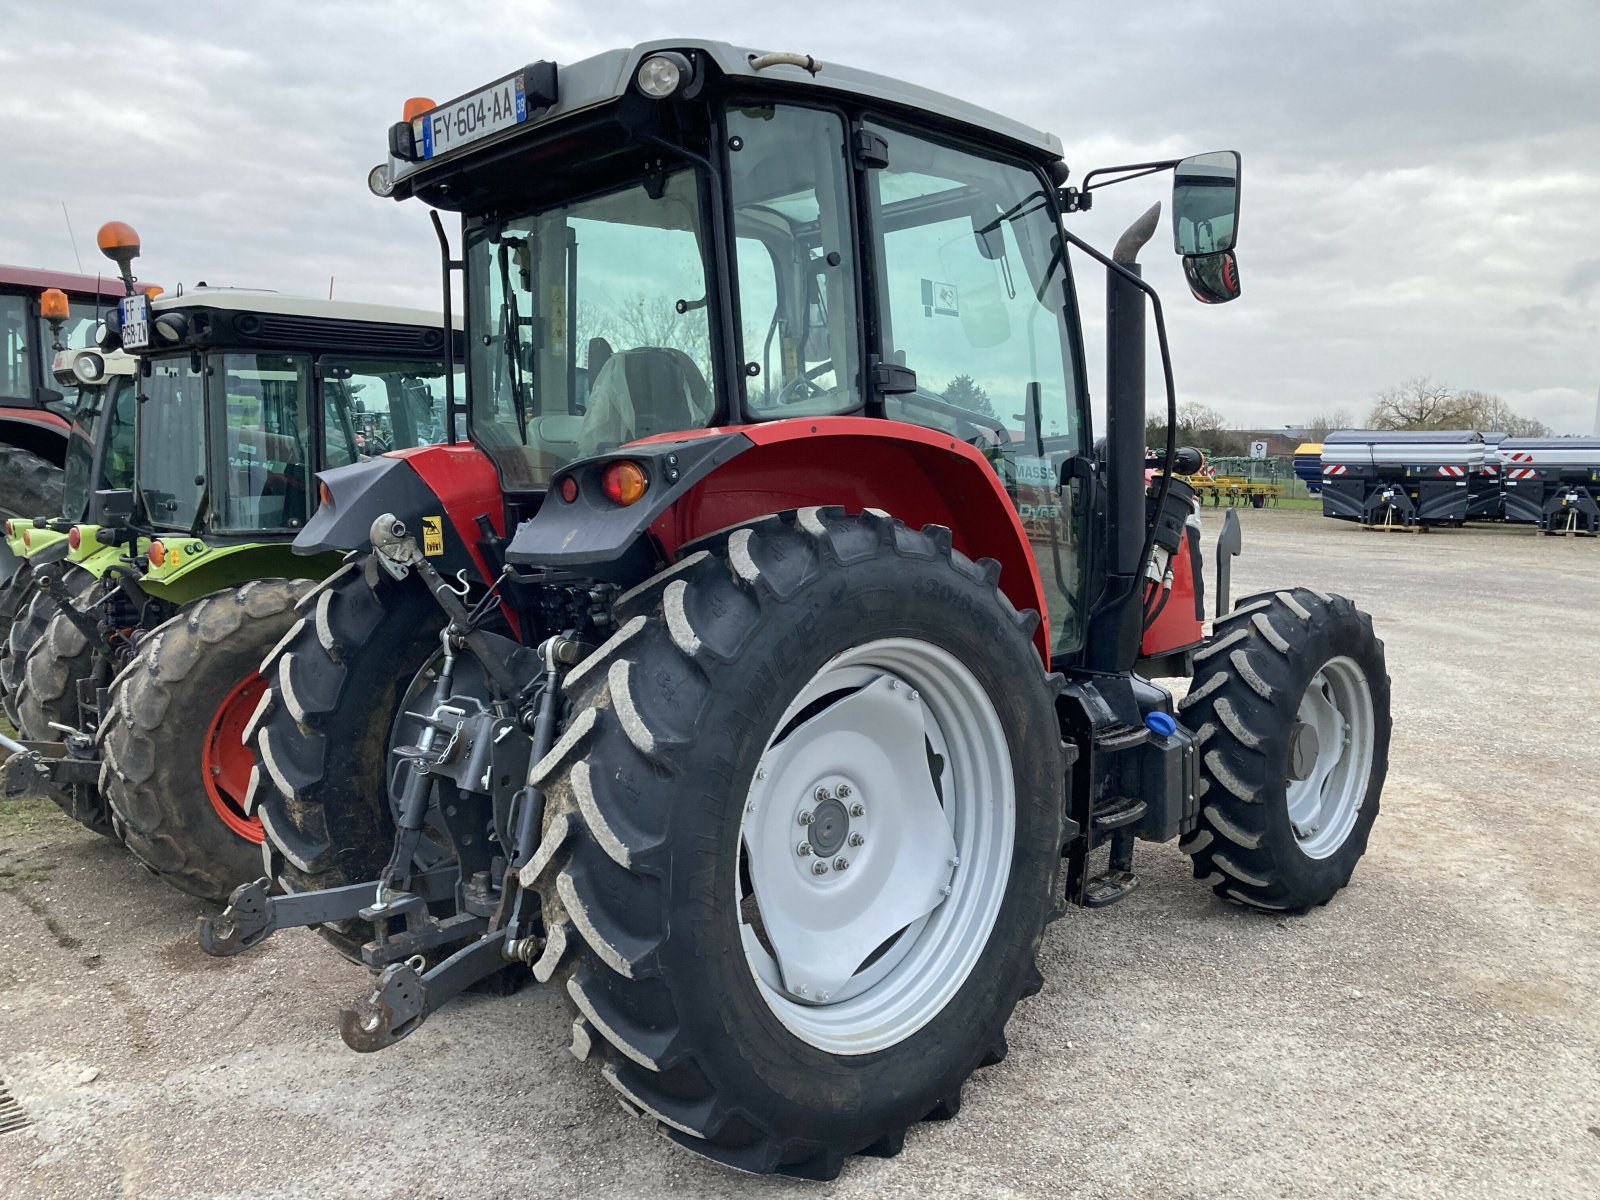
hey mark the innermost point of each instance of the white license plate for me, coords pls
(461, 122)
(135, 314)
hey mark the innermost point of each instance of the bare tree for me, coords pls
(1417, 404)
(1317, 428)
(1489, 413)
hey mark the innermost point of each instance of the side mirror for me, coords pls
(1213, 278)
(1205, 203)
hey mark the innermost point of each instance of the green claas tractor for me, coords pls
(775, 660)
(138, 652)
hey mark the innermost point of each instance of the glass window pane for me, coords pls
(15, 381)
(589, 327)
(389, 404)
(172, 460)
(264, 461)
(796, 261)
(973, 297)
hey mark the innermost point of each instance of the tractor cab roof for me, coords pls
(213, 318)
(437, 152)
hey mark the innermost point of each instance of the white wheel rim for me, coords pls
(856, 959)
(1333, 739)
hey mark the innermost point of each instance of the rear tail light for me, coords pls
(569, 489)
(624, 482)
(27, 537)
(157, 553)
(74, 537)
(324, 496)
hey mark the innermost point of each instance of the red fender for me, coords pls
(921, 476)
(466, 482)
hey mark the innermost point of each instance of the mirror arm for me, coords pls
(1130, 171)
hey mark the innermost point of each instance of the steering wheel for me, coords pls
(803, 386)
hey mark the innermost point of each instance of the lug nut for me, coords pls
(818, 868)
(803, 849)
(844, 791)
(822, 794)
(913, 695)
(858, 809)
(857, 840)
(841, 864)
(807, 817)
(761, 772)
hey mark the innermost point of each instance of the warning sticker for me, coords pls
(433, 536)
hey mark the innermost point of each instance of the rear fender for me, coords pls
(201, 569)
(718, 478)
(437, 491)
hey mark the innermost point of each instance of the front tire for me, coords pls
(1290, 710)
(771, 664)
(174, 768)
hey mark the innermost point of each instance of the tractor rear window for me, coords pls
(16, 380)
(587, 325)
(172, 455)
(372, 406)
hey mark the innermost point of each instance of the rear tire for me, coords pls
(1285, 814)
(642, 867)
(321, 738)
(174, 782)
(29, 486)
(25, 614)
(59, 658)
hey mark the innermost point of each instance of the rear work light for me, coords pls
(624, 482)
(74, 537)
(157, 553)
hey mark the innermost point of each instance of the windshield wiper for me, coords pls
(514, 344)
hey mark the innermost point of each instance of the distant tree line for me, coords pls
(1422, 404)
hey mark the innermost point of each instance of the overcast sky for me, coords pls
(1422, 180)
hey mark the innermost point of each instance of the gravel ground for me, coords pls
(1434, 1032)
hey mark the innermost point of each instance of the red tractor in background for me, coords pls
(774, 663)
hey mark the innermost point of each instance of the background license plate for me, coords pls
(135, 314)
(447, 128)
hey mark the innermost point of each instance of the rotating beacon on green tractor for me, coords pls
(773, 663)
(137, 689)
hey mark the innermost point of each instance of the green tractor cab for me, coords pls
(180, 576)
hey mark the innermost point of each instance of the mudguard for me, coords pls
(439, 492)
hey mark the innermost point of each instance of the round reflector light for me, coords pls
(157, 553)
(624, 482)
(74, 537)
(569, 489)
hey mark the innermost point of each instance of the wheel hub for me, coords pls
(1303, 751)
(829, 827)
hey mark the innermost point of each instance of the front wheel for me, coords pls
(174, 766)
(801, 839)
(1290, 709)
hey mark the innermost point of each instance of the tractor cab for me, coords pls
(671, 239)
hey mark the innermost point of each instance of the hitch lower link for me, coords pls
(451, 786)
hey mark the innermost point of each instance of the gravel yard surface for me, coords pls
(1433, 1032)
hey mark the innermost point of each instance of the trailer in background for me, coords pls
(1553, 482)
(1485, 493)
(1308, 465)
(1400, 479)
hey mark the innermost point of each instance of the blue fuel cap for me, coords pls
(1160, 723)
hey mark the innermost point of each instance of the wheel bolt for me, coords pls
(807, 817)
(761, 772)
(818, 868)
(803, 849)
(841, 864)
(844, 791)
(822, 794)
(858, 809)
(857, 840)
(913, 695)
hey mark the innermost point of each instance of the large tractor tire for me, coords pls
(53, 662)
(29, 486)
(24, 615)
(337, 685)
(174, 767)
(1290, 708)
(801, 839)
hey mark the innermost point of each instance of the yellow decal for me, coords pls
(558, 321)
(433, 536)
(175, 557)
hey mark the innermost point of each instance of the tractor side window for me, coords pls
(796, 261)
(338, 439)
(262, 462)
(974, 297)
(172, 457)
(15, 382)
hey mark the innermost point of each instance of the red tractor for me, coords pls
(774, 662)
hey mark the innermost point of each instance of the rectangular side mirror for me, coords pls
(1205, 203)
